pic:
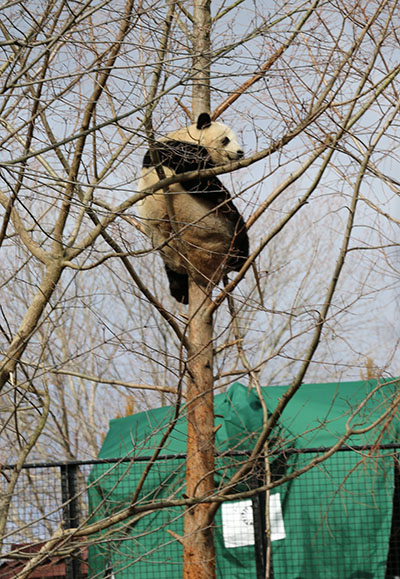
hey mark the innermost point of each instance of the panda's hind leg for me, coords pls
(178, 285)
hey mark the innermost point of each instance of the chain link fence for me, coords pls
(339, 520)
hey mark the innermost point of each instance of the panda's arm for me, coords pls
(179, 157)
(183, 157)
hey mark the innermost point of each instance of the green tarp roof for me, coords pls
(324, 529)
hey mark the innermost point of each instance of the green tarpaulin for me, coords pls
(338, 515)
(336, 518)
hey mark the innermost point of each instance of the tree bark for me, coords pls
(198, 543)
(30, 322)
(201, 101)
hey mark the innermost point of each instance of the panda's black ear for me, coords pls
(203, 121)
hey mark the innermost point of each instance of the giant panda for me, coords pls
(208, 236)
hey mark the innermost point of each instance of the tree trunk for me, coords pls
(201, 101)
(198, 542)
(199, 550)
(30, 321)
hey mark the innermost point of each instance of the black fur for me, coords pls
(178, 284)
(203, 121)
(182, 157)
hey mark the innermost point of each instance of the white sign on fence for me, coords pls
(238, 522)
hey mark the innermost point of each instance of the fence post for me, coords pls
(258, 504)
(69, 493)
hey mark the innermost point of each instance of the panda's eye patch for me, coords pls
(225, 141)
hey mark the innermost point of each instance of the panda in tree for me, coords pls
(207, 237)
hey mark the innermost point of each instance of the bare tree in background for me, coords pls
(85, 320)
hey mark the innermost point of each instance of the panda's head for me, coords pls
(219, 140)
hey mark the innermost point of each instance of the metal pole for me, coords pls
(260, 537)
(69, 493)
